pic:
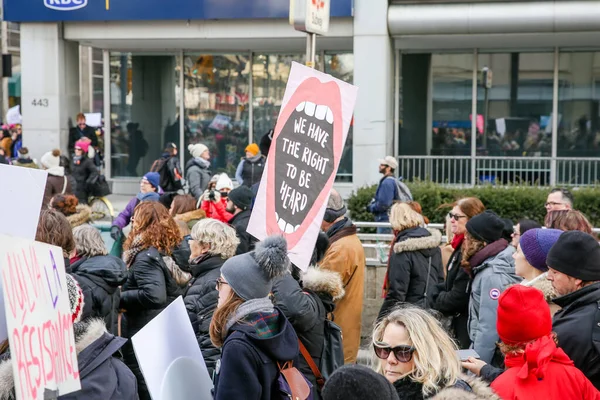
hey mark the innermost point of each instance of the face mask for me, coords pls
(224, 194)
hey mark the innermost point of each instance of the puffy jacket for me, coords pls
(201, 301)
(217, 210)
(307, 308)
(452, 300)
(248, 366)
(240, 223)
(250, 170)
(191, 217)
(414, 269)
(124, 216)
(465, 388)
(75, 134)
(100, 278)
(491, 278)
(84, 171)
(578, 328)
(197, 176)
(55, 185)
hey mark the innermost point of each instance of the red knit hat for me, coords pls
(523, 315)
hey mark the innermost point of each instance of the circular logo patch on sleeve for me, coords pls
(494, 294)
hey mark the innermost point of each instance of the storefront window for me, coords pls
(216, 100)
(514, 109)
(144, 111)
(451, 104)
(578, 105)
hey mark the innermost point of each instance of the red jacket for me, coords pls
(543, 372)
(217, 210)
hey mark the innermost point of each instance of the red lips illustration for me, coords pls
(291, 205)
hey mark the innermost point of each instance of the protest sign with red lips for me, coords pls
(302, 163)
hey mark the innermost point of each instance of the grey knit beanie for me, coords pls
(251, 275)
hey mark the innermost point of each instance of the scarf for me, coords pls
(457, 240)
(255, 158)
(77, 159)
(202, 162)
(491, 250)
(249, 307)
(536, 357)
(135, 248)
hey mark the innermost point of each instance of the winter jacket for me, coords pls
(191, 218)
(545, 372)
(25, 163)
(577, 326)
(124, 216)
(75, 134)
(201, 301)
(491, 278)
(216, 210)
(248, 366)
(466, 388)
(181, 255)
(250, 170)
(102, 376)
(100, 278)
(346, 256)
(57, 183)
(83, 215)
(197, 176)
(414, 269)
(84, 172)
(240, 223)
(384, 197)
(453, 298)
(6, 144)
(307, 308)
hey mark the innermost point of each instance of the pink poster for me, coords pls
(303, 160)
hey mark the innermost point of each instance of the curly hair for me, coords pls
(53, 228)
(470, 247)
(152, 222)
(65, 203)
(221, 238)
(182, 204)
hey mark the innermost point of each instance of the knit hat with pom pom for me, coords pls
(251, 275)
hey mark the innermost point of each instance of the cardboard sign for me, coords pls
(303, 160)
(93, 119)
(40, 325)
(13, 115)
(166, 344)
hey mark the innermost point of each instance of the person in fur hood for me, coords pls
(418, 357)
(77, 214)
(415, 263)
(102, 376)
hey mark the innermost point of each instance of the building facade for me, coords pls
(461, 92)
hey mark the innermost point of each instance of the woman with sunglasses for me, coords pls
(418, 357)
(453, 299)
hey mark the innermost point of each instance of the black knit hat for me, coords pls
(486, 227)
(241, 197)
(357, 382)
(576, 254)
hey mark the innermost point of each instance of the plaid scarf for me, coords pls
(259, 313)
(135, 248)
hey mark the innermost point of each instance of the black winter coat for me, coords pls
(75, 134)
(577, 326)
(100, 278)
(201, 301)
(84, 172)
(240, 223)
(411, 277)
(452, 300)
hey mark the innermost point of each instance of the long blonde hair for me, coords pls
(436, 362)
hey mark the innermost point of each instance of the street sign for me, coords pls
(310, 16)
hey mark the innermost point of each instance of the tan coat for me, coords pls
(346, 256)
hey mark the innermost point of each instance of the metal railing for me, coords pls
(537, 171)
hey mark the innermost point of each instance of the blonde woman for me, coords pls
(418, 357)
(212, 242)
(415, 262)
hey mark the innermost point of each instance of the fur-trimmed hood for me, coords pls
(83, 215)
(480, 391)
(324, 281)
(191, 216)
(544, 285)
(417, 239)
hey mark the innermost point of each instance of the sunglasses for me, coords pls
(403, 353)
(221, 282)
(456, 217)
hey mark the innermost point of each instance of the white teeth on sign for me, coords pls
(284, 226)
(320, 112)
(296, 228)
(329, 116)
(289, 228)
(309, 109)
(300, 106)
(281, 224)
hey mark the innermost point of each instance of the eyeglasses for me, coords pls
(403, 353)
(456, 217)
(553, 203)
(221, 282)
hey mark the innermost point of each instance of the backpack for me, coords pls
(403, 193)
(166, 180)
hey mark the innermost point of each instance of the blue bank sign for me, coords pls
(133, 10)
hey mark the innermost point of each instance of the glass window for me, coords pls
(144, 111)
(515, 107)
(98, 95)
(578, 105)
(452, 78)
(216, 101)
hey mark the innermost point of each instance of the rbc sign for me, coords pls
(65, 5)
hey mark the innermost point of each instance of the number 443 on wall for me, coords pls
(40, 103)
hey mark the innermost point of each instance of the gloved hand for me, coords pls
(216, 196)
(115, 233)
(205, 195)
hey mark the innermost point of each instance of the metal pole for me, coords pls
(396, 140)
(107, 113)
(311, 44)
(474, 120)
(485, 115)
(4, 40)
(553, 163)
